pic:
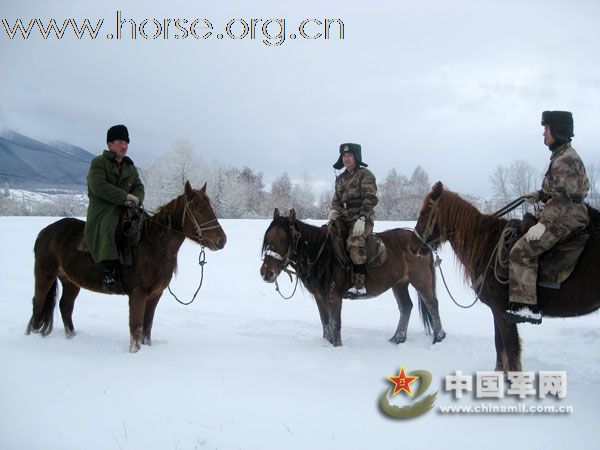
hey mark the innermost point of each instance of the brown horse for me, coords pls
(309, 251)
(445, 216)
(154, 260)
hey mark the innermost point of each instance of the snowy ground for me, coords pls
(243, 369)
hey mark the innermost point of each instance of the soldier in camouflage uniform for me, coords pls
(563, 191)
(353, 202)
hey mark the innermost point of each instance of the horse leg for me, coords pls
(324, 314)
(44, 301)
(425, 287)
(500, 356)
(335, 319)
(137, 303)
(405, 305)
(149, 319)
(67, 303)
(510, 354)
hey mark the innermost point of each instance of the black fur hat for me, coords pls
(117, 133)
(350, 148)
(560, 123)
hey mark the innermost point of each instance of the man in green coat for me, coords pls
(113, 184)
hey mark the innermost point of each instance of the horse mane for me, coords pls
(473, 234)
(315, 274)
(165, 213)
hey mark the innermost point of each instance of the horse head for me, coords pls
(199, 222)
(279, 245)
(427, 235)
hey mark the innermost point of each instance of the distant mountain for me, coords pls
(30, 164)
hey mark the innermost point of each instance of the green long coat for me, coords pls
(108, 186)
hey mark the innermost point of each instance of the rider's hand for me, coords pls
(131, 201)
(535, 232)
(359, 227)
(333, 214)
(532, 197)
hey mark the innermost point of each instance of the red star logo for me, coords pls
(402, 382)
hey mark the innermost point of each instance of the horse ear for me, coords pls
(275, 214)
(292, 216)
(188, 188)
(437, 190)
(203, 190)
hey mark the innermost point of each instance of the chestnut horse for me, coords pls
(310, 253)
(445, 216)
(154, 260)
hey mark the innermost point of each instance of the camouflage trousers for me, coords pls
(356, 244)
(523, 263)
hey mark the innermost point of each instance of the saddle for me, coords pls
(554, 266)
(132, 224)
(376, 250)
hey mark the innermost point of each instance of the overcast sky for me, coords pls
(457, 87)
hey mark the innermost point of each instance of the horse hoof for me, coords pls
(399, 339)
(134, 347)
(70, 334)
(439, 337)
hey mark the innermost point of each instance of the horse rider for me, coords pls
(353, 202)
(564, 189)
(113, 183)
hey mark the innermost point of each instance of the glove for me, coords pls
(131, 201)
(532, 197)
(535, 232)
(333, 214)
(359, 227)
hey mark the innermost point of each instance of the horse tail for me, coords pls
(423, 311)
(45, 318)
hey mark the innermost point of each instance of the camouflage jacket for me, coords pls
(564, 188)
(355, 194)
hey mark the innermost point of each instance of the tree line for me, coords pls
(240, 193)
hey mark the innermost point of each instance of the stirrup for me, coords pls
(110, 285)
(353, 293)
(522, 313)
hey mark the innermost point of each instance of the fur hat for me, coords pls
(350, 148)
(117, 133)
(560, 123)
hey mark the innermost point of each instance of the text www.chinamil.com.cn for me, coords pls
(271, 32)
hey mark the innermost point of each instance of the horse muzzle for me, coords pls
(268, 274)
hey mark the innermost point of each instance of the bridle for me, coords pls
(426, 243)
(199, 228)
(290, 255)
(290, 258)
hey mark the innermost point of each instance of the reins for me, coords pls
(287, 260)
(199, 228)
(201, 262)
(431, 222)
(510, 207)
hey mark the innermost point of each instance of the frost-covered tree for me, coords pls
(400, 197)
(324, 205)
(165, 179)
(303, 197)
(281, 194)
(513, 182)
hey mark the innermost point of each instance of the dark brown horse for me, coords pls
(154, 260)
(309, 251)
(445, 216)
